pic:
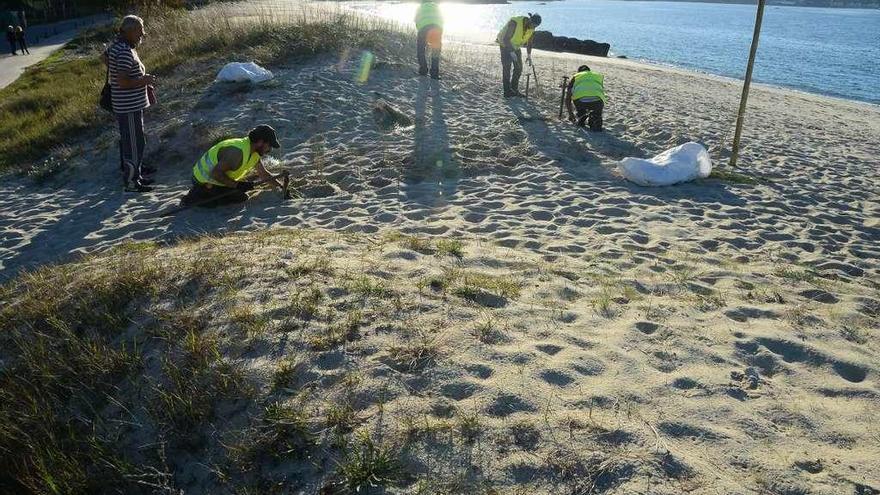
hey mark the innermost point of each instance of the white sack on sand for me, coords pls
(680, 164)
(242, 72)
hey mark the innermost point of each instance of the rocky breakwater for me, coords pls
(544, 40)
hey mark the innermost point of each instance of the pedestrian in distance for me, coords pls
(219, 176)
(10, 37)
(586, 91)
(19, 38)
(429, 24)
(130, 87)
(518, 31)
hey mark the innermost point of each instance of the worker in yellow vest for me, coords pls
(429, 24)
(516, 33)
(586, 91)
(219, 175)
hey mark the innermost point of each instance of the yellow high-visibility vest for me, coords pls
(588, 84)
(521, 36)
(203, 168)
(428, 14)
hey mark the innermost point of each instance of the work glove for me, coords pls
(244, 186)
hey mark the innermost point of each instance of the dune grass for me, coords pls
(116, 369)
(56, 100)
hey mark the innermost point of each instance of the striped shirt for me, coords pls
(123, 59)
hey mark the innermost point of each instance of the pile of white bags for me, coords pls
(680, 164)
(243, 72)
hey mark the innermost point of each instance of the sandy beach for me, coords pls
(509, 171)
(716, 336)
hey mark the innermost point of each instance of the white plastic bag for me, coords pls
(680, 164)
(242, 72)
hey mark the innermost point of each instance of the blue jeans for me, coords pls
(508, 58)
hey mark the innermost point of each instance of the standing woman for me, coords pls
(129, 85)
(19, 37)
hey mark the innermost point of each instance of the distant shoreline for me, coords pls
(822, 4)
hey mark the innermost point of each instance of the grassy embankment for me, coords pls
(119, 369)
(320, 362)
(56, 100)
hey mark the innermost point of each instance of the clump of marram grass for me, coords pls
(482, 288)
(319, 265)
(282, 432)
(367, 286)
(603, 304)
(468, 425)
(368, 463)
(416, 354)
(286, 374)
(732, 176)
(338, 333)
(249, 321)
(306, 304)
(486, 331)
(428, 245)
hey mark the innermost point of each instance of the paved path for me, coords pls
(45, 40)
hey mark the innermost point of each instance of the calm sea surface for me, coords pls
(827, 51)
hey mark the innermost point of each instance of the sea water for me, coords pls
(827, 51)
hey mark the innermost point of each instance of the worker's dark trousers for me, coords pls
(209, 195)
(508, 57)
(421, 46)
(131, 145)
(12, 47)
(23, 46)
(590, 112)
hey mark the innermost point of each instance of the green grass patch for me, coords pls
(56, 101)
(50, 104)
(427, 245)
(368, 464)
(726, 175)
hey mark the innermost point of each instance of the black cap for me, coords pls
(266, 133)
(584, 68)
(536, 19)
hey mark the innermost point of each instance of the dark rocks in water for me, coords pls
(544, 40)
(622, 56)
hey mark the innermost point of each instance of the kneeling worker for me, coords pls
(587, 91)
(219, 173)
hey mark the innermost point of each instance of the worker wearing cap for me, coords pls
(219, 174)
(516, 33)
(429, 24)
(586, 91)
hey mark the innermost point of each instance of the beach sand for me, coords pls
(723, 334)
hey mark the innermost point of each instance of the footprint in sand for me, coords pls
(557, 378)
(550, 349)
(646, 327)
(480, 371)
(459, 390)
(506, 404)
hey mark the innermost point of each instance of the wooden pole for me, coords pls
(746, 83)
